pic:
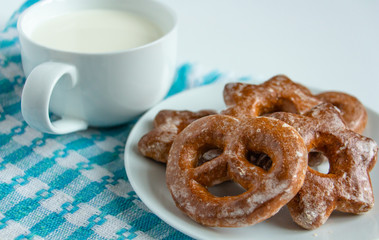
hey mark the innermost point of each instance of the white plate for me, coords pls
(148, 180)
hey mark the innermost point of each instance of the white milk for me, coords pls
(96, 31)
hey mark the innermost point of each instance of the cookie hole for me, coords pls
(282, 105)
(259, 159)
(318, 162)
(226, 189)
(208, 153)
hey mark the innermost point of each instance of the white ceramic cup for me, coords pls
(94, 89)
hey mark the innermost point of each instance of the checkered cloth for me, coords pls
(71, 186)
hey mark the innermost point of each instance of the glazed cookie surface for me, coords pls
(347, 185)
(267, 190)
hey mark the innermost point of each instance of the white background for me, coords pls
(323, 44)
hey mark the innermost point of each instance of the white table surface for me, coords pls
(323, 44)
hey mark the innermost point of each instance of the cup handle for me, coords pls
(36, 96)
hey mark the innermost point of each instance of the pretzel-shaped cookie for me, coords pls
(156, 144)
(347, 186)
(281, 94)
(266, 190)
